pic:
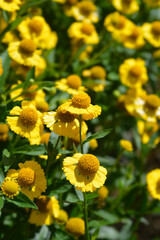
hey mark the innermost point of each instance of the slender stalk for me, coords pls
(84, 193)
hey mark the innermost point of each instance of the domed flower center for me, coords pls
(156, 27)
(29, 116)
(10, 187)
(152, 101)
(86, 7)
(88, 164)
(127, 1)
(45, 137)
(81, 100)
(42, 106)
(31, 93)
(26, 177)
(44, 204)
(3, 128)
(27, 46)
(87, 28)
(75, 226)
(35, 26)
(72, 2)
(135, 71)
(135, 33)
(74, 81)
(65, 117)
(119, 22)
(98, 72)
(8, 1)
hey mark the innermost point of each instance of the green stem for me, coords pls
(117, 161)
(80, 133)
(86, 217)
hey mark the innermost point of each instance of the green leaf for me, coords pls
(92, 195)
(6, 64)
(43, 234)
(60, 186)
(1, 202)
(30, 75)
(53, 141)
(7, 161)
(33, 150)
(1, 176)
(110, 217)
(22, 200)
(98, 135)
(95, 234)
(97, 223)
(72, 198)
(63, 235)
(79, 194)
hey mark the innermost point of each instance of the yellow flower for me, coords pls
(150, 109)
(10, 5)
(41, 105)
(83, 31)
(151, 33)
(84, 56)
(1, 68)
(103, 192)
(59, 1)
(85, 10)
(4, 132)
(115, 22)
(72, 84)
(37, 29)
(126, 6)
(80, 104)
(24, 52)
(69, 4)
(27, 122)
(76, 226)
(126, 145)
(63, 124)
(134, 100)
(30, 177)
(153, 3)
(146, 129)
(133, 39)
(93, 144)
(84, 171)
(153, 183)
(10, 187)
(62, 218)
(45, 137)
(48, 209)
(10, 37)
(95, 73)
(133, 73)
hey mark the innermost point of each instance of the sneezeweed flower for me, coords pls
(45, 137)
(152, 3)
(37, 29)
(4, 132)
(85, 55)
(95, 73)
(72, 84)
(75, 226)
(103, 193)
(126, 6)
(1, 68)
(93, 144)
(69, 4)
(84, 171)
(83, 31)
(10, 5)
(10, 187)
(151, 33)
(134, 39)
(62, 217)
(48, 210)
(63, 124)
(153, 183)
(24, 52)
(41, 105)
(27, 122)
(80, 104)
(30, 177)
(133, 73)
(146, 130)
(115, 22)
(126, 145)
(85, 10)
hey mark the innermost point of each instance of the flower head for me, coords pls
(153, 183)
(76, 227)
(10, 187)
(10, 5)
(84, 171)
(103, 193)
(30, 177)
(126, 6)
(126, 145)
(151, 33)
(4, 132)
(62, 218)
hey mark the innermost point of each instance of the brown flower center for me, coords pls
(152, 101)
(81, 100)
(127, 1)
(88, 164)
(44, 204)
(29, 116)
(87, 28)
(98, 72)
(74, 81)
(135, 71)
(119, 22)
(26, 177)
(27, 46)
(65, 117)
(156, 27)
(86, 7)
(72, 2)
(135, 33)
(35, 26)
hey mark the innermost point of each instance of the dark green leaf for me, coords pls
(79, 194)
(1, 176)
(72, 198)
(6, 64)
(60, 234)
(1, 202)
(95, 234)
(59, 186)
(97, 223)
(22, 200)
(7, 161)
(110, 217)
(43, 234)
(30, 75)
(53, 141)
(33, 150)
(98, 135)
(92, 195)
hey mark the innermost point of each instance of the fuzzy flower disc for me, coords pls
(29, 116)
(88, 164)
(26, 177)
(10, 187)
(74, 81)
(75, 226)
(81, 100)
